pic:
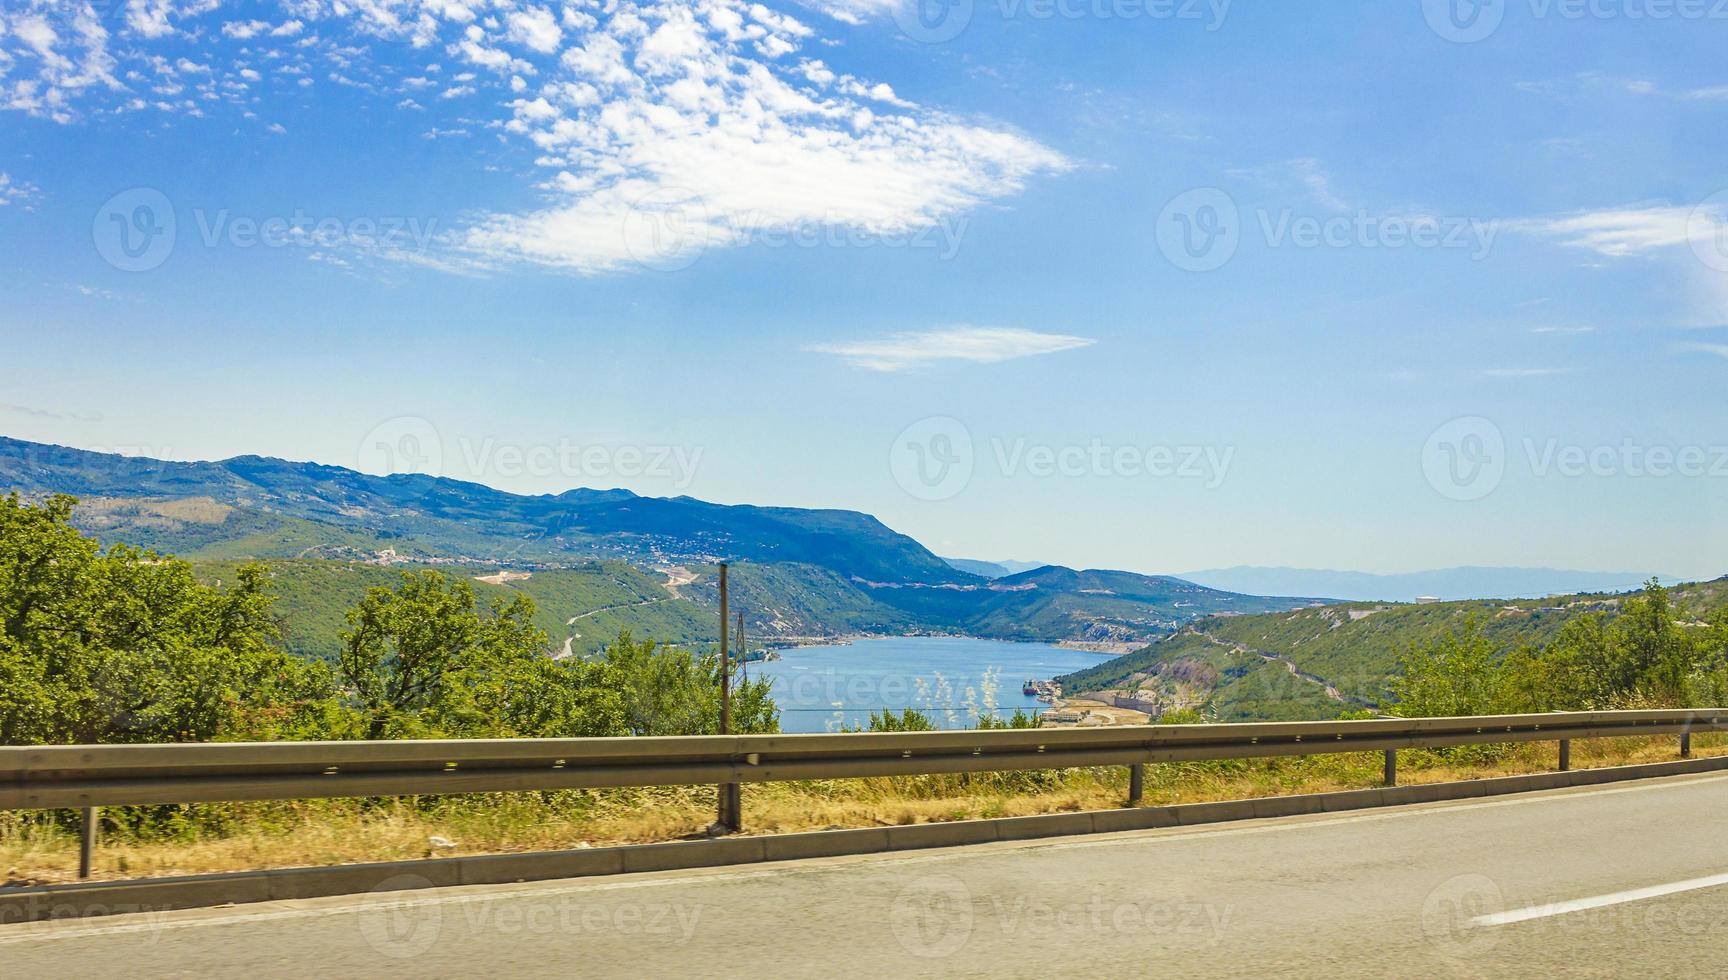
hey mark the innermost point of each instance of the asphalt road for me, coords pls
(1621, 881)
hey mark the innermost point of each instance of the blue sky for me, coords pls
(1105, 282)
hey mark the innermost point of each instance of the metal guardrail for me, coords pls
(90, 776)
(77, 776)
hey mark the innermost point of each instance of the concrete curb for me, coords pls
(195, 891)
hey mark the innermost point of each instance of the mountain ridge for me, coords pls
(1444, 584)
(801, 572)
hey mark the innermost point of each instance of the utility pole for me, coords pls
(730, 815)
(743, 649)
(725, 665)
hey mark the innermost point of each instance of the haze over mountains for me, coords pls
(1465, 582)
(994, 569)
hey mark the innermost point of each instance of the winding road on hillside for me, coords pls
(1290, 665)
(1471, 888)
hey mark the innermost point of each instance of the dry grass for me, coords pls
(36, 848)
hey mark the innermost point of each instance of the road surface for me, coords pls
(1625, 880)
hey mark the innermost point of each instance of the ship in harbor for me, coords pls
(1045, 691)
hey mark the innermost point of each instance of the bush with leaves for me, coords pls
(125, 645)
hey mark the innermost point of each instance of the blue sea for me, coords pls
(951, 679)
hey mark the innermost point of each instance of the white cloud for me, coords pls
(1720, 350)
(1617, 232)
(50, 55)
(855, 11)
(977, 345)
(536, 28)
(698, 117)
(670, 124)
(17, 192)
(244, 29)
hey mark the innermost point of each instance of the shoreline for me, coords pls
(1100, 648)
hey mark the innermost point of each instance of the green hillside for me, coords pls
(596, 561)
(1319, 662)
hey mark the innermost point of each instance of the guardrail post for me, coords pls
(87, 842)
(1391, 767)
(1136, 783)
(1565, 754)
(1685, 745)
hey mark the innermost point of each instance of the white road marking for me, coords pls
(176, 919)
(1599, 901)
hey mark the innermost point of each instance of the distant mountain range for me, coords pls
(1466, 582)
(801, 574)
(994, 569)
(283, 504)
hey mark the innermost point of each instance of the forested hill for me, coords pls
(329, 532)
(275, 508)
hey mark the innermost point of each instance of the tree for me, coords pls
(672, 691)
(125, 645)
(1453, 676)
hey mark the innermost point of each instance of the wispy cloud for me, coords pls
(1720, 350)
(1621, 232)
(1306, 173)
(1525, 372)
(17, 192)
(978, 345)
(1564, 330)
(42, 413)
(661, 129)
